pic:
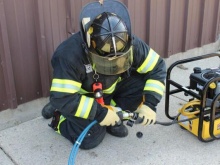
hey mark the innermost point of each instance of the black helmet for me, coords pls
(106, 31)
(109, 34)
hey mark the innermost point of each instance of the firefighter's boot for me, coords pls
(48, 111)
(117, 130)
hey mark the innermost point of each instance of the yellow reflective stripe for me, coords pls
(149, 62)
(112, 102)
(154, 85)
(83, 91)
(64, 85)
(62, 118)
(84, 107)
(112, 88)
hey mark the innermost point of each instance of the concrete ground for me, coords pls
(26, 139)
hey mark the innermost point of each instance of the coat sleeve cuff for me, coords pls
(100, 113)
(151, 101)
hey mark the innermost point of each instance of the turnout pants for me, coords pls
(128, 95)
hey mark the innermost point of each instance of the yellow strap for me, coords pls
(112, 88)
(190, 104)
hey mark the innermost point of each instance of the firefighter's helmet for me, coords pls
(109, 34)
(108, 38)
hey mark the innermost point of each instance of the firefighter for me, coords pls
(128, 72)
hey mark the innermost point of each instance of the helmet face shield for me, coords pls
(112, 64)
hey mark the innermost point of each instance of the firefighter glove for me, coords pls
(147, 114)
(111, 117)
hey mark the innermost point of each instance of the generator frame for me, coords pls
(189, 92)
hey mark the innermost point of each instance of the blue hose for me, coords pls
(78, 142)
